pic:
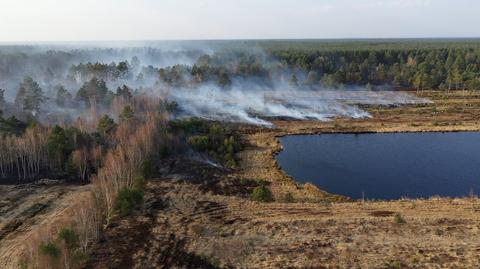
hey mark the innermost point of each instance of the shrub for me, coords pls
(231, 164)
(23, 264)
(399, 219)
(49, 249)
(148, 168)
(70, 237)
(218, 142)
(126, 200)
(263, 182)
(190, 126)
(139, 183)
(289, 198)
(199, 142)
(394, 264)
(164, 151)
(262, 194)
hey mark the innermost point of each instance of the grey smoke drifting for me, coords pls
(249, 99)
(240, 104)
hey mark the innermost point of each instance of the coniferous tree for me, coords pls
(29, 96)
(63, 97)
(2, 99)
(93, 91)
(126, 114)
(59, 146)
(106, 125)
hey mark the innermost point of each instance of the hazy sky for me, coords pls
(67, 20)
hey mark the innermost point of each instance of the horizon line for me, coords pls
(21, 42)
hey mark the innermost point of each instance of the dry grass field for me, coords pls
(25, 210)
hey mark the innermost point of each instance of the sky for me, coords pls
(98, 20)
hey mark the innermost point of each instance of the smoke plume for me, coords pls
(248, 98)
(241, 104)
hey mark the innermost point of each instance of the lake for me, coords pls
(386, 166)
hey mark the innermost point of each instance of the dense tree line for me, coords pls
(445, 69)
(413, 63)
(102, 71)
(30, 150)
(36, 151)
(455, 68)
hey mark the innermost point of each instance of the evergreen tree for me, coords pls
(106, 125)
(93, 91)
(63, 97)
(124, 92)
(59, 146)
(126, 114)
(293, 81)
(2, 99)
(29, 96)
(312, 78)
(224, 80)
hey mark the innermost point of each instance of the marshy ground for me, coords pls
(197, 216)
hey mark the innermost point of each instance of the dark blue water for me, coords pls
(386, 166)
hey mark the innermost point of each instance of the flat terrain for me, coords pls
(184, 227)
(194, 224)
(197, 216)
(26, 209)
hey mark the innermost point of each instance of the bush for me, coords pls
(126, 200)
(49, 249)
(23, 264)
(164, 152)
(70, 237)
(289, 198)
(199, 142)
(148, 169)
(219, 143)
(399, 219)
(190, 126)
(231, 164)
(139, 183)
(262, 182)
(262, 194)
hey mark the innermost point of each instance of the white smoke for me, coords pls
(241, 104)
(250, 100)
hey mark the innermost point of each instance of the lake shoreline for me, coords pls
(447, 113)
